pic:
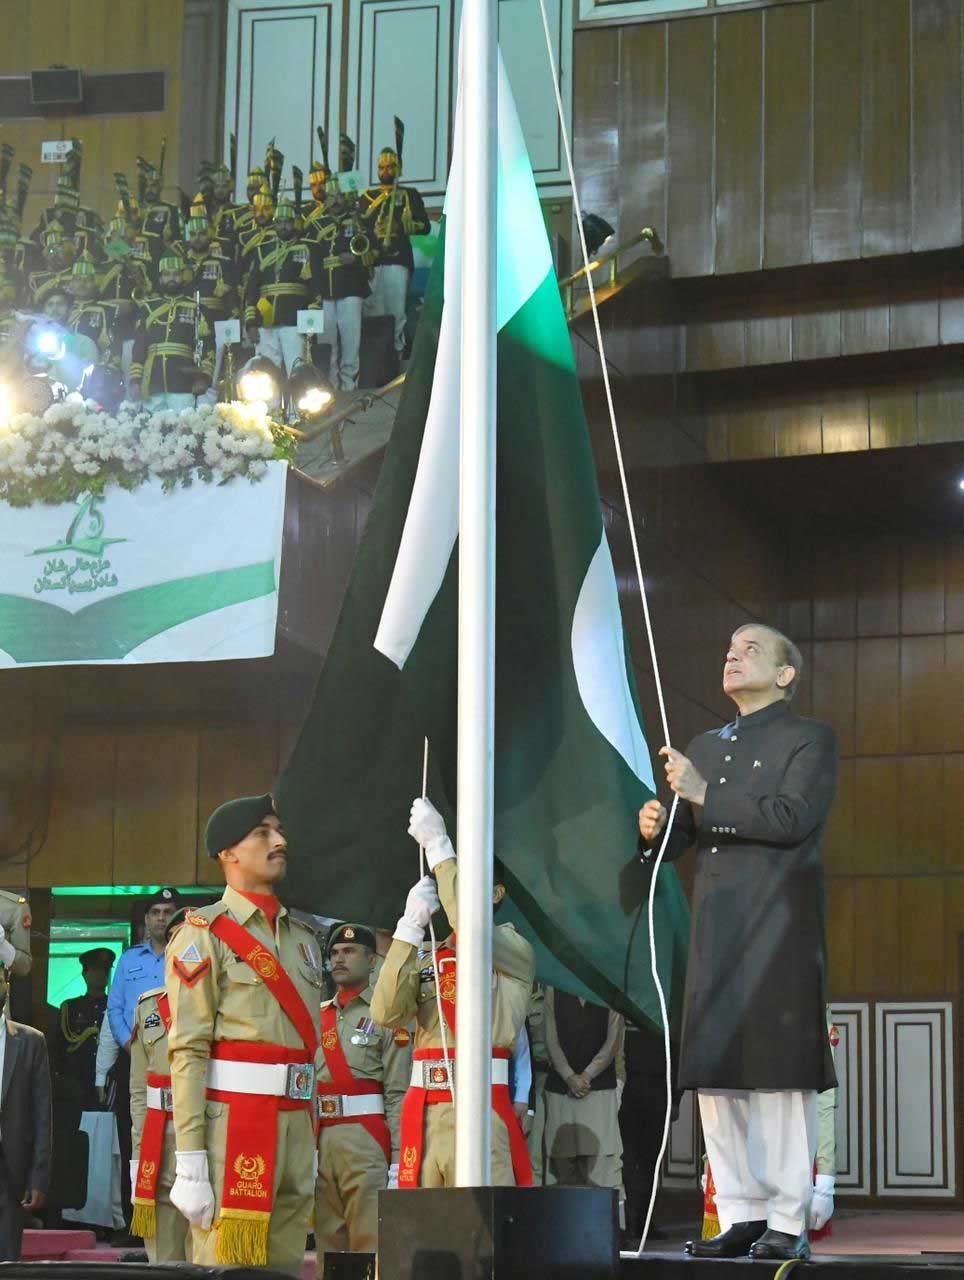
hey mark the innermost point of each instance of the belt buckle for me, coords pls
(436, 1075)
(300, 1081)
(167, 1099)
(330, 1106)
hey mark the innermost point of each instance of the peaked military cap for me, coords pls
(164, 898)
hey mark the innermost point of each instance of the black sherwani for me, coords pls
(753, 1015)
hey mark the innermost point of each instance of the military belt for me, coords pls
(160, 1099)
(295, 1080)
(436, 1073)
(342, 1106)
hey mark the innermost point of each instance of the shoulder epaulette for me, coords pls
(304, 925)
(149, 995)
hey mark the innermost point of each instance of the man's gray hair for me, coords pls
(788, 655)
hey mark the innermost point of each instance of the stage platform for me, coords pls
(864, 1246)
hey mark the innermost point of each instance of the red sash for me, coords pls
(343, 1082)
(413, 1124)
(267, 966)
(144, 1222)
(250, 1152)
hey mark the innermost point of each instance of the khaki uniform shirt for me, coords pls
(406, 985)
(148, 1054)
(15, 918)
(228, 1001)
(379, 1054)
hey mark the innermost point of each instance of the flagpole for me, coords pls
(476, 683)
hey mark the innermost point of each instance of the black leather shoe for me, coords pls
(728, 1244)
(780, 1246)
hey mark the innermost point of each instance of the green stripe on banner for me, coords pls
(35, 631)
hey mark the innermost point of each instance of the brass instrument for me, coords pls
(385, 236)
(359, 244)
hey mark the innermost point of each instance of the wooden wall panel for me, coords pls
(234, 760)
(936, 140)
(156, 806)
(885, 128)
(876, 831)
(858, 118)
(841, 934)
(99, 36)
(595, 149)
(690, 235)
(79, 846)
(832, 680)
(739, 143)
(642, 126)
(836, 132)
(787, 109)
(876, 926)
(922, 694)
(921, 790)
(888, 674)
(877, 703)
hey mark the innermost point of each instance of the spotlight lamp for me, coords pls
(310, 394)
(259, 384)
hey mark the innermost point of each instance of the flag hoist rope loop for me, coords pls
(577, 209)
(431, 934)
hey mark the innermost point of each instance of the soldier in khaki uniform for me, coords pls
(406, 990)
(363, 1073)
(15, 933)
(244, 980)
(164, 1229)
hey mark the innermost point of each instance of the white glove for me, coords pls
(192, 1193)
(135, 1165)
(703, 1183)
(392, 1177)
(427, 826)
(821, 1203)
(420, 906)
(8, 952)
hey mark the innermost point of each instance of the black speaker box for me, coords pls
(377, 361)
(498, 1233)
(348, 1266)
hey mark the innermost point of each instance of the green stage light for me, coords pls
(119, 890)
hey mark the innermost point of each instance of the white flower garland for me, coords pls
(74, 447)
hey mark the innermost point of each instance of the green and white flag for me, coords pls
(571, 763)
(143, 576)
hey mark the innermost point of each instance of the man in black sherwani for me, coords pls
(754, 799)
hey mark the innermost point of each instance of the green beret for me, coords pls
(233, 820)
(357, 933)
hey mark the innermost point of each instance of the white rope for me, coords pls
(431, 933)
(649, 626)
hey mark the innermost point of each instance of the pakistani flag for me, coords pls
(571, 764)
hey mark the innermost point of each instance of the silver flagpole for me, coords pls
(476, 711)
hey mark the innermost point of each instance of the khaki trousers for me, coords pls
(352, 1169)
(438, 1149)
(535, 1140)
(294, 1186)
(172, 1242)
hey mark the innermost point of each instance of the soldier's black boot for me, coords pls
(734, 1243)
